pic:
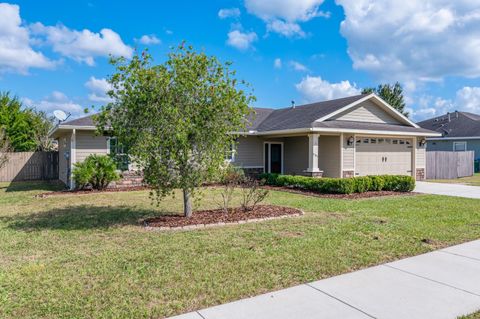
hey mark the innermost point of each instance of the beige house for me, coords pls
(353, 136)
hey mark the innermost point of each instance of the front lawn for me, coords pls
(471, 180)
(86, 255)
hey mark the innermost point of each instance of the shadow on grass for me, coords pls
(46, 186)
(81, 218)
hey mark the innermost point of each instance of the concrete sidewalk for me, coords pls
(457, 190)
(440, 284)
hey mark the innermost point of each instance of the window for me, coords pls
(459, 146)
(119, 154)
(230, 154)
(373, 141)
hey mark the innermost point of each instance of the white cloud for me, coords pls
(297, 66)
(277, 63)
(288, 29)
(98, 90)
(241, 40)
(466, 99)
(149, 39)
(413, 40)
(315, 89)
(82, 46)
(55, 101)
(229, 13)
(16, 53)
(282, 16)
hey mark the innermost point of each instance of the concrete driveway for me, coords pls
(440, 284)
(448, 189)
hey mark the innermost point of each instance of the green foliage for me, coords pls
(175, 118)
(392, 94)
(396, 183)
(25, 128)
(96, 170)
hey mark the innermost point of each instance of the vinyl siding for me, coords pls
(249, 152)
(348, 154)
(329, 155)
(420, 156)
(63, 161)
(367, 112)
(88, 143)
(295, 155)
(447, 145)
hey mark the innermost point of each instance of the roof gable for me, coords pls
(369, 112)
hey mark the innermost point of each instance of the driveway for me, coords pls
(448, 189)
(440, 284)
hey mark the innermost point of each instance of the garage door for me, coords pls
(378, 156)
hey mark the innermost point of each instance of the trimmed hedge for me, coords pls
(396, 183)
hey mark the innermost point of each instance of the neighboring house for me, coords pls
(354, 136)
(460, 131)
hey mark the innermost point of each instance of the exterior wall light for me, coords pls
(422, 142)
(350, 140)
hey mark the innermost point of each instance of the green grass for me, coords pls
(472, 180)
(86, 255)
(472, 316)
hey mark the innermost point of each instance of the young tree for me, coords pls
(392, 94)
(4, 148)
(175, 118)
(25, 128)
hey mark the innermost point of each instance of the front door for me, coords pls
(273, 158)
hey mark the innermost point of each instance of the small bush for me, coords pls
(342, 185)
(252, 194)
(96, 171)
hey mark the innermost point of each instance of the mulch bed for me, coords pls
(92, 191)
(339, 196)
(217, 216)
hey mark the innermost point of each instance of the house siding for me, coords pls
(348, 154)
(64, 153)
(366, 112)
(295, 155)
(420, 154)
(88, 143)
(249, 152)
(329, 155)
(447, 145)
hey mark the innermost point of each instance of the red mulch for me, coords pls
(339, 196)
(215, 216)
(92, 191)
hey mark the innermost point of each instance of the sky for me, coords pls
(54, 54)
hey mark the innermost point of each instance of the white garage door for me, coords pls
(379, 156)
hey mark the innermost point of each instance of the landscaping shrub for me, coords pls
(362, 184)
(96, 171)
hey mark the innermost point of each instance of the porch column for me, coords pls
(313, 153)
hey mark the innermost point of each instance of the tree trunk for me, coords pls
(187, 203)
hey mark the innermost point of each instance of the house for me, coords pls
(460, 131)
(353, 136)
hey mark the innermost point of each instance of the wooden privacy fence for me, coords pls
(450, 165)
(28, 166)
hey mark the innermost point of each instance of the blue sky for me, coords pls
(54, 54)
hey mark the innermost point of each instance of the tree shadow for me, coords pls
(82, 217)
(54, 185)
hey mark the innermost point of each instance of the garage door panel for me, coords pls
(377, 156)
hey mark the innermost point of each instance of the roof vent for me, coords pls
(293, 104)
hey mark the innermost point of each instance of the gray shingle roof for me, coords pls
(456, 124)
(82, 121)
(301, 116)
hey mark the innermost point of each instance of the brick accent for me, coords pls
(313, 174)
(420, 174)
(128, 179)
(348, 174)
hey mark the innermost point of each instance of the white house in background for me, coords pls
(353, 136)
